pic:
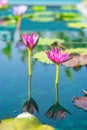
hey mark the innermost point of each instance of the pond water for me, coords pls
(14, 81)
(14, 86)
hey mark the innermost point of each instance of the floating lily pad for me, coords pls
(45, 16)
(77, 50)
(9, 21)
(48, 41)
(79, 59)
(42, 57)
(66, 16)
(23, 123)
(38, 8)
(68, 8)
(77, 25)
(5, 7)
(42, 19)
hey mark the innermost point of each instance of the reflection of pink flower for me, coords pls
(57, 111)
(57, 56)
(19, 10)
(30, 40)
(3, 3)
(30, 106)
(3, 22)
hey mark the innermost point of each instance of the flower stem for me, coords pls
(57, 74)
(19, 22)
(29, 63)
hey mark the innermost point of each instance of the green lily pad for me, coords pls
(38, 8)
(44, 16)
(42, 57)
(77, 25)
(43, 19)
(48, 41)
(68, 8)
(66, 16)
(80, 51)
(9, 21)
(5, 7)
(23, 123)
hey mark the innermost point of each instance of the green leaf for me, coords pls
(44, 16)
(81, 51)
(66, 16)
(38, 8)
(42, 57)
(23, 123)
(77, 25)
(68, 7)
(49, 41)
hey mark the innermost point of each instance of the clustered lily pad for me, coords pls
(47, 16)
(79, 57)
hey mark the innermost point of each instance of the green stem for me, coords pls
(19, 22)
(29, 63)
(29, 87)
(57, 74)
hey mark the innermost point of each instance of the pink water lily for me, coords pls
(57, 56)
(3, 3)
(19, 10)
(30, 40)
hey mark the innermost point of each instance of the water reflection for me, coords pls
(81, 102)
(56, 111)
(68, 73)
(30, 105)
(7, 50)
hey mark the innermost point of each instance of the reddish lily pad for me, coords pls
(76, 61)
(81, 102)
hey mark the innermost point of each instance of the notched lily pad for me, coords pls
(48, 41)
